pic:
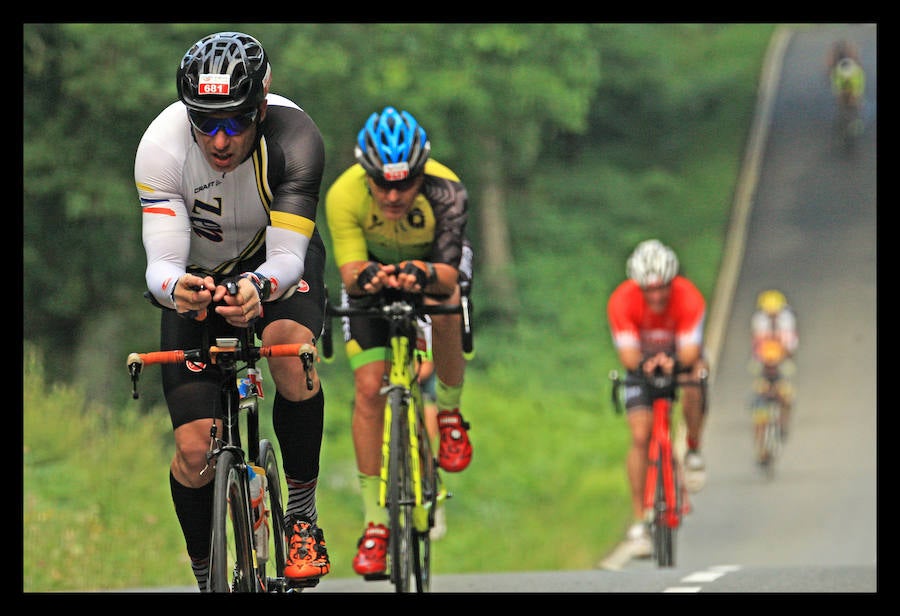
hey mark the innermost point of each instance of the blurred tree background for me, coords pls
(576, 141)
(502, 104)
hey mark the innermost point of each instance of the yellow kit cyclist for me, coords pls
(398, 219)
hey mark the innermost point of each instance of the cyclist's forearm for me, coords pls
(630, 358)
(688, 355)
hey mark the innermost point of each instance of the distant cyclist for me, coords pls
(655, 316)
(847, 78)
(398, 220)
(774, 341)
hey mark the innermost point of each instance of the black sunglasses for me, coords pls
(400, 185)
(232, 126)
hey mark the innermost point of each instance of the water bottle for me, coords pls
(258, 489)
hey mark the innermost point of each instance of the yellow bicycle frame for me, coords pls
(402, 375)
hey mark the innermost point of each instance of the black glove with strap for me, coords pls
(423, 277)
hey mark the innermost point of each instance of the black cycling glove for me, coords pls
(422, 277)
(367, 275)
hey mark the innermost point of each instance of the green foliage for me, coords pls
(96, 505)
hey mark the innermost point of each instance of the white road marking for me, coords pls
(703, 576)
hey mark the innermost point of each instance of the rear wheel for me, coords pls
(231, 559)
(274, 567)
(422, 535)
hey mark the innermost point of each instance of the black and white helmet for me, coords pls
(652, 264)
(226, 71)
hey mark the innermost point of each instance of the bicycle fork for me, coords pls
(661, 452)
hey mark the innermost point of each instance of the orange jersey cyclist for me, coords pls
(774, 340)
(654, 316)
(398, 219)
(229, 178)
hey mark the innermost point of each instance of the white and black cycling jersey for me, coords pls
(198, 219)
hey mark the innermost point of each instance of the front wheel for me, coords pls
(772, 438)
(400, 500)
(662, 529)
(231, 547)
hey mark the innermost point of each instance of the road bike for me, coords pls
(665, 497)
(766, 406)
(848, 124)
(410, 483)
(248, 543)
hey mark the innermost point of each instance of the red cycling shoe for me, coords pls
(455, 451)
(371, 558)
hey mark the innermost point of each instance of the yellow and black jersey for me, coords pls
(434, 229)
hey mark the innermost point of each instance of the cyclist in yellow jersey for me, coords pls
(847, 78)
(848, 82)
(398, 219)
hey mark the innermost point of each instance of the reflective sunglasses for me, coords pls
(656, 287)
(232, 126)
(401, 185)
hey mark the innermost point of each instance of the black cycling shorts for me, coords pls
(192, 391)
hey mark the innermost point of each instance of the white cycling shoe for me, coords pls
(694, 471)
(638, 541)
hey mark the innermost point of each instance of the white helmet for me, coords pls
(652, 263)
(846, 67)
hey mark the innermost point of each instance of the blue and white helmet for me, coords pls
(652, 264)
(392, 145)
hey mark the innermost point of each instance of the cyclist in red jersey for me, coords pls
(656, 318)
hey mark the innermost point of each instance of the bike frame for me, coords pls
(767, 423)
(405, 446)
(661, 459)
(234, 355)
(664, 497)
(403, 377)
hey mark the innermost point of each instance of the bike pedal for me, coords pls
(376, 577)
(303, 583)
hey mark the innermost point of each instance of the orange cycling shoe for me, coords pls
(307, 556)
(455, 451)
(372, 555)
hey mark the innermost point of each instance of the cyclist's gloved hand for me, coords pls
(664, 362)
(191, 294)
(369, 275)
(242, 298)
(421, 276)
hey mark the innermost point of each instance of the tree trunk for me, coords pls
(495, 279)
